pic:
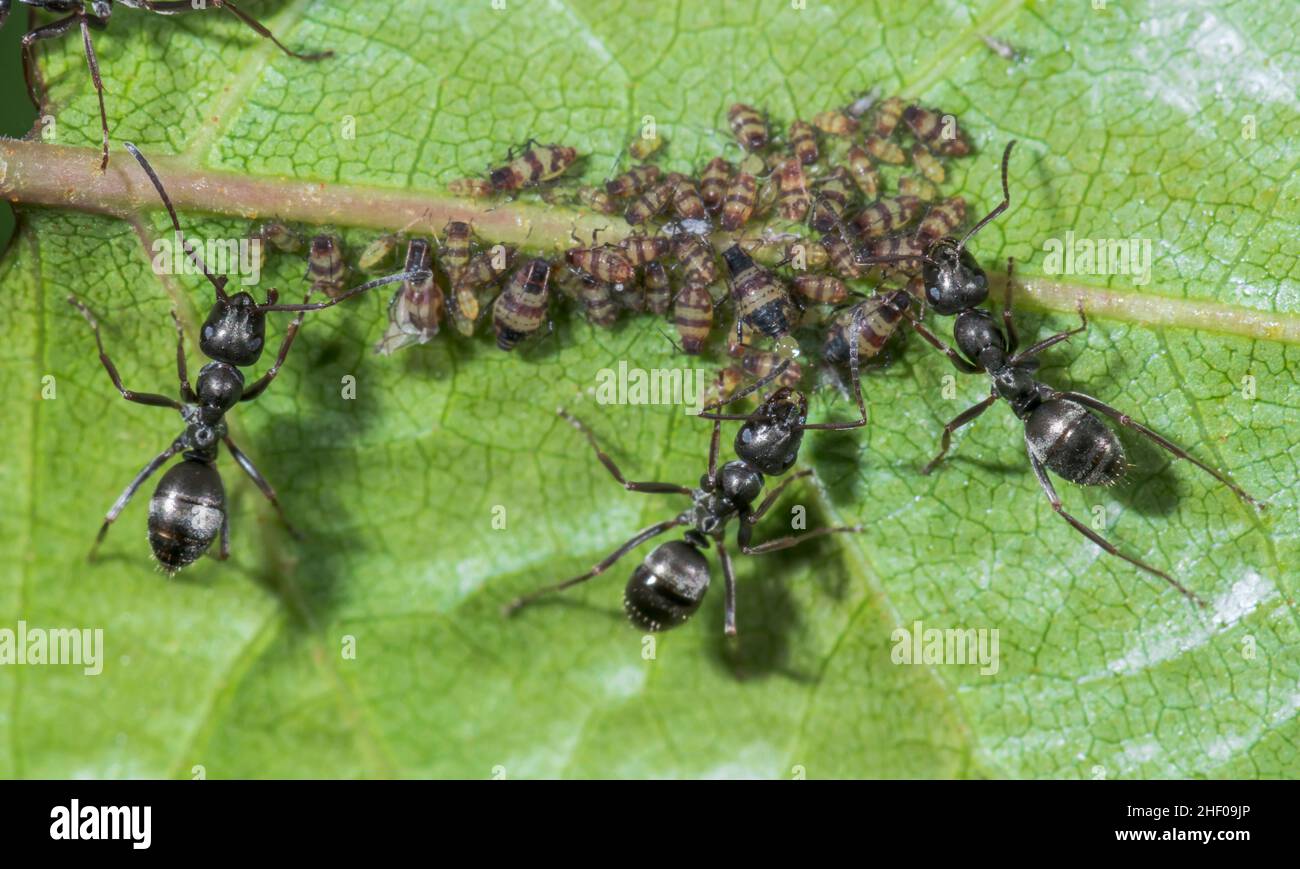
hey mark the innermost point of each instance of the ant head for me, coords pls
(954, 281)
(235, 331)
(741, 484)
(769, 440)
(219, 388)
(978, 336)
(666, 589)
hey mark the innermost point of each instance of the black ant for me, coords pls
(97, 17)
(667, 587)
(188, 509)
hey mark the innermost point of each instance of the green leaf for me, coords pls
(1130, 122)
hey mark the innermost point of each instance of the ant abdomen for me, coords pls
(186, 513)
(667, 588)
(1074, 444)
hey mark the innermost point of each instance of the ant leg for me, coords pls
(630, 485)
(1054, 339)
(123, 499)
(641, 537)
(170, 7)
(256, 476)
(966, 416)
(791, 540)
(93, 63)
(1173, 448)
(1008, 322)
(729, 584)
(31, 72)
(1050, 491)
(772, 496)
(857, 384)
(182, 370)
(149, 398)
(958, 362)
(259, 386)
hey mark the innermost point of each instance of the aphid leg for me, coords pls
(966, 416)
(1008, 321)
(150, 398)
(256, 476)
(31, 72)
(857, 385)
(123, 499)
(1050, 491)
(170, 7)
(182, 370)
(1002, 206)
(259, 386)
(729, 585)
(641, 537)
(745, 529)
(1173, 448)
(956, 358)
(630, 485)
(1054, 339)
(93, 63)
(772, 496)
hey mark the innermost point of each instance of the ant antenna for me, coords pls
(218, 283)
(1006, 198)
(413, 275)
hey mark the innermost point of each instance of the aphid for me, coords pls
(906, 252)
(666, 589)
(628, 296)
(658, 289)
(793, 198)
(279, 236)
(537, 164)
(598, 303)
(642, 147)
(687, 202)
(377, 252)
(863, 172)
(763, 364)
(862, 104)
(1000, 47)
(888, 115)
(833, 193)
(841, 256)
(874, 320)
(834, 123)
(936, 131)
(455, 252)
(633, 181)
(696, 257)
(942, 219)
(884, 150)
(603, 262)
(416, 308)
(187, 512)
(768, 193)
(748, 126)
(597, 200)
(738, 204)
(915, 185)
(803, 142)
(326, 270)
(803, 254)
(928, 164)
(97, 17)
(642, 249)
(762, 301)
(693, 316)
(714, 181)
(821, 289)
(483, 270)
(1061, 432)
(470, 188)
(520, 310)
(887, 216)
(649, 204)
